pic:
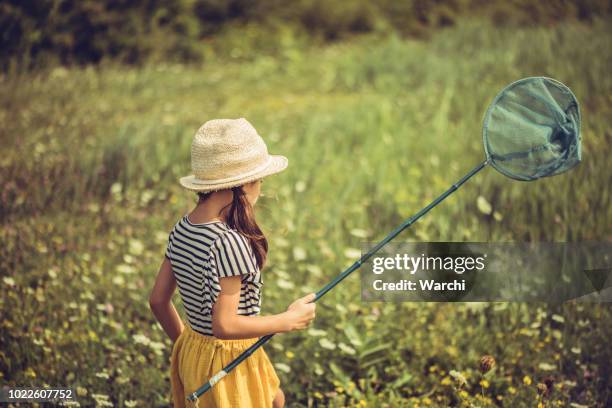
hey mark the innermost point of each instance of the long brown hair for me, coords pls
(241, 217)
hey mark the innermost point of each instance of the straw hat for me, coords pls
(227, 153)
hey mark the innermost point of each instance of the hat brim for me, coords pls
(277, 164)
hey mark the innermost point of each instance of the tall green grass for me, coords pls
(374, 128)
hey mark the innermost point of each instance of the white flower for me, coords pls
(141, 339)
(9, 281)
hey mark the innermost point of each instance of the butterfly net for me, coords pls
(532, 129)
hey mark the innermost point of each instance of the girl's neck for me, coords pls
(211, 208)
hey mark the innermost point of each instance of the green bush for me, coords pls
(39, 33)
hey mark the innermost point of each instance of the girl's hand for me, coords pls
(300, 313)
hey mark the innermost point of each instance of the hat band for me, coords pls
(256, 170)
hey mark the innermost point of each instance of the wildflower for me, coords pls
(486, 364)
(141, 339)
(512, 390)
(290, 354)
(463, 394)
(484, 383)
(157, 347)
(30, 372)
(541, 388)
(102, 400)
(460, 378)
(527, 380)
(545, 387)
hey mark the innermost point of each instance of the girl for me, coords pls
(214, 255)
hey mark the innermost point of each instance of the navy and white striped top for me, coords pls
(200, 254)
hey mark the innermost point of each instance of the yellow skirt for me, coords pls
(196, 358)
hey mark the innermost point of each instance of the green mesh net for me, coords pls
(532, 129)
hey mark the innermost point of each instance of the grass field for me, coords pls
(374, 128)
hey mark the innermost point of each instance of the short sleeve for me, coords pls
(169, 247)
(233, 255)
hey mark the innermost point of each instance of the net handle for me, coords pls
(263, 340)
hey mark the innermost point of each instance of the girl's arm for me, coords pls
(160, 301)
(228, 324)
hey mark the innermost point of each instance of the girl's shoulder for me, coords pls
(217, 236)
(232, 254)
(228, 237)
(200, 236)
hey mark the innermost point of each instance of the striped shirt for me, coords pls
(200, 255)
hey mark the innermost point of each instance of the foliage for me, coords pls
(47, 32)
(39, 33)
(374, 128)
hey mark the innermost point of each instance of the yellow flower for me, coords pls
(484, 383)
(339, 390)
(362, 403)
(446, 381)
(527, 380)
(426, 401)
(540, 405)
(463, 394)
(30, 372)
(290, 354)
(512, 390)
(318, 395)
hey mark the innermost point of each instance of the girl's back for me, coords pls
(202, 253)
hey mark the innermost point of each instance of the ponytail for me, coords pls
(241, 217)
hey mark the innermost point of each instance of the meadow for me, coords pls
(374, 127)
